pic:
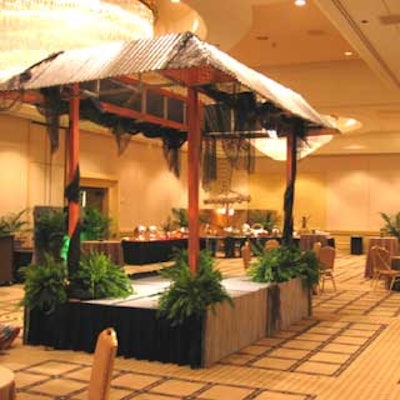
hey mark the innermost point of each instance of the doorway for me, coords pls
(96, 197)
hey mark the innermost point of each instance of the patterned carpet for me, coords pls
(349, 349)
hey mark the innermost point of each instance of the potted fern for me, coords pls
(98, 277)
(45, 285)
(291, 274)
(392, 224)
(15, 224)
(190, 295)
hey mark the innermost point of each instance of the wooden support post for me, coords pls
(291, 170)
(73, 162)
(194, 145)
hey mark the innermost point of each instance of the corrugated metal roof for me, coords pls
(172, 51)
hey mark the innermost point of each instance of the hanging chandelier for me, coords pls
(33, 29)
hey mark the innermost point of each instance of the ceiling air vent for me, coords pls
(391, 19)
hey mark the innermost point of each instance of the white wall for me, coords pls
(338, 192)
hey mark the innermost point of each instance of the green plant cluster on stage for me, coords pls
(190, 294)
(14, 223)
(50, 227)
(45, 285)
(284, 263)
(392, 224)
(95, 224)
(98, 277)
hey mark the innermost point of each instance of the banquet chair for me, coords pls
(382, 267)
(103, 362)
(316, 248)
(271, 244)
(326, 258)
(246, 254)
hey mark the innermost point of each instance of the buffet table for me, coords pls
(7, 384)
(140, 252)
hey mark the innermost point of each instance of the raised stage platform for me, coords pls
(142, 334)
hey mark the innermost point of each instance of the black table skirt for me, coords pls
(141, 334)
(140, 252)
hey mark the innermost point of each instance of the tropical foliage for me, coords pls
(98, 278)
(190, 294)
(95, 224)
(392, 224)
(14, 223)
(50, 227)
(45, 285)
(284, 263)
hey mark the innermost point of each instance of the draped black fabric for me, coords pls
(141, 333)
(209, 162)
(287, 235)
(52, 109)
(172, 143)
(298, 133)
(74, 250)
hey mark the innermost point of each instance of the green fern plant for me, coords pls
(180, 217)
(284, 263)
(97, 278)
(14, 223)
(392, 225)
(190, 295)
(95, 225)
(45, 285)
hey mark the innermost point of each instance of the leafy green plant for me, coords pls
(95, 225)
(392, 226)
(180, 217)
(97, 278)
(284, 263)
(190, 295)
(50, 226)
(45, 285)
(268, 219)
(14, 223)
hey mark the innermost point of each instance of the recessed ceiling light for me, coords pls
(175, 1)
(348, 53)
(300, 3)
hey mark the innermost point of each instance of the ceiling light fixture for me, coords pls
(348, 53)
(33, 29)
(276, 148)
(300, 3)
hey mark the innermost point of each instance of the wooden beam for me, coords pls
(128, 113)
(194, 147)
(73, 161)
(31, 97)
(135, 82)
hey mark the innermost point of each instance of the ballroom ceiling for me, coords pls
(304, 48)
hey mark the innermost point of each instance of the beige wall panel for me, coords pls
(385, 186)
(348, 200)
(38, 187)
(13, 164)
(148, 190)
(266, 191)
(310, 200)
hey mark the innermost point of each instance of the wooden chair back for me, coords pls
(327, 257)
(103, 362)
(246, 254)
(271, 244)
